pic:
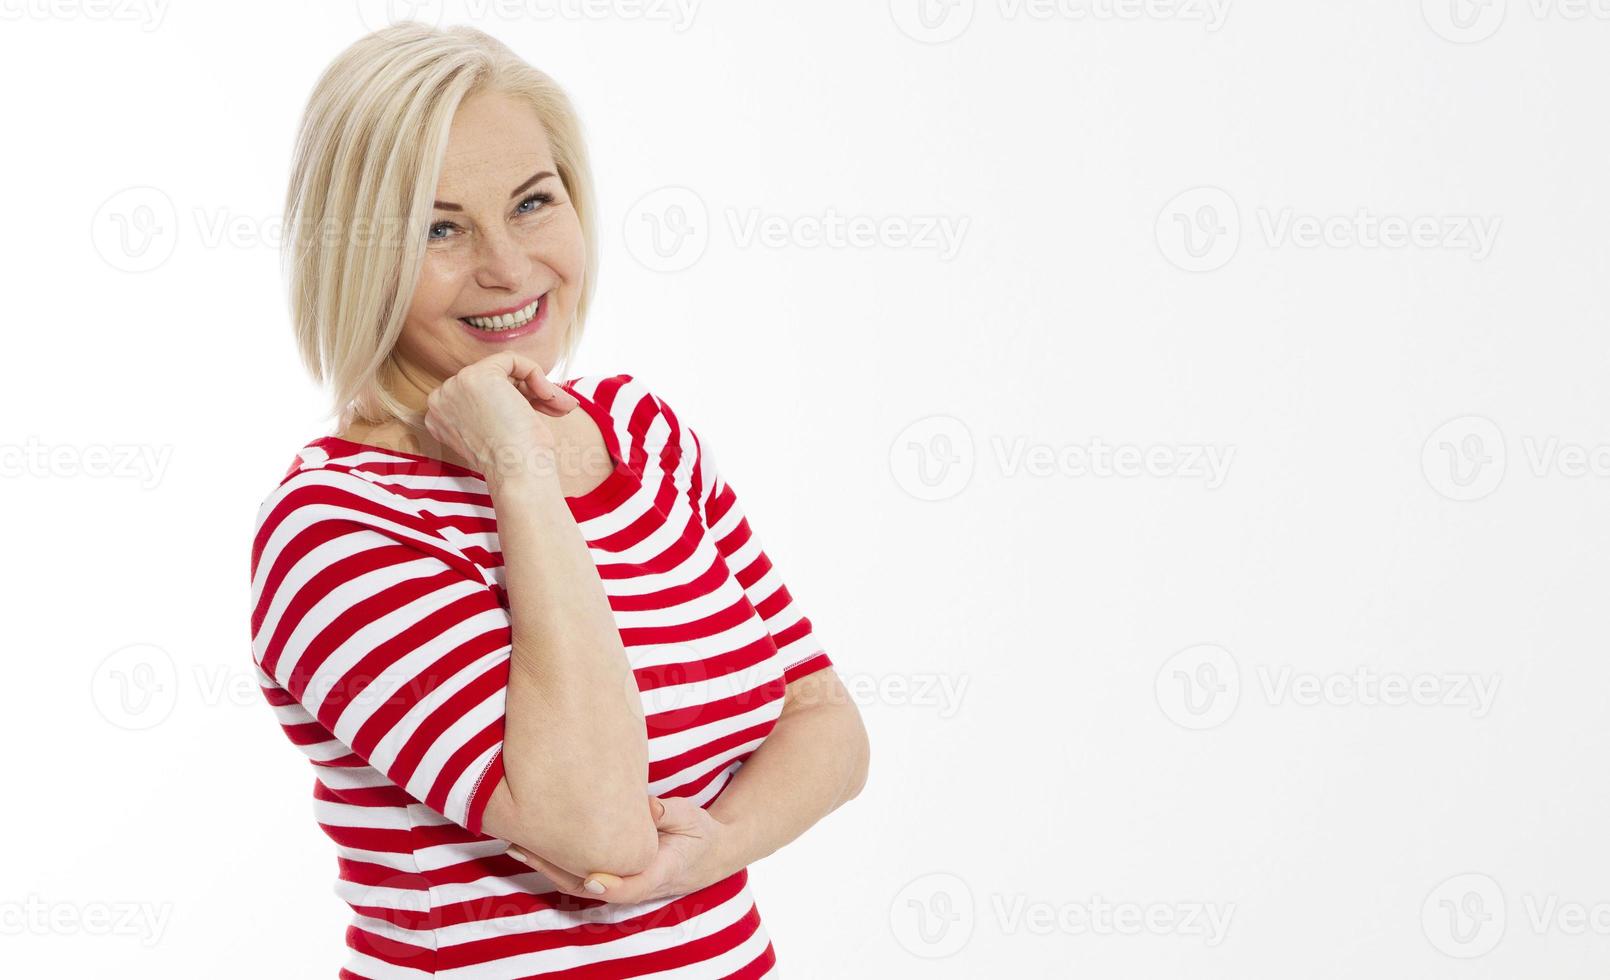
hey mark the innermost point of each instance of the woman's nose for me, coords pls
(503, 262)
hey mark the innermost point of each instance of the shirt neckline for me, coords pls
(620, 482)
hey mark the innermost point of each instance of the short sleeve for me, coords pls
(386, 636)
(717, 507)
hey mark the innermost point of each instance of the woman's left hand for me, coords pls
(690, 857)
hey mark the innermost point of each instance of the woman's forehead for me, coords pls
(492, 163)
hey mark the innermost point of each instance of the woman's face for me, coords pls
(504, 239)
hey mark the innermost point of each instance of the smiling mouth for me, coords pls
(507, 321)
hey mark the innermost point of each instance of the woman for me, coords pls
(556, 696)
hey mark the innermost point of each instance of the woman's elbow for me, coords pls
(595, 846)
(862, 754)
(582, 836)
(618, 836)
(630, 851)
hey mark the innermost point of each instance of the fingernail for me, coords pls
(595, 886)
(517, 854)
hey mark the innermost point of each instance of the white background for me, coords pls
(1085, 687)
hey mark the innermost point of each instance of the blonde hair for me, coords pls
(362, 189)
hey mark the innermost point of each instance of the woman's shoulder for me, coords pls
(334, 475)
(338, 487)
(662, 393)
(628, 399)
(612, 392)
(347, 460)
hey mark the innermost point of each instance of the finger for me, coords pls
(679, 815)
(528, 374)
(555, 400)
(567, 882)
(601, 883)
(552, 400)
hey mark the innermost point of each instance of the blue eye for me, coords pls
(524, 207)
(540, 196)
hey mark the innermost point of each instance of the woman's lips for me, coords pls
(508, 309)
(507, 334)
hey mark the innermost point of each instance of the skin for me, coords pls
(496, 250)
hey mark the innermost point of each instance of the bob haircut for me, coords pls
(363, 183)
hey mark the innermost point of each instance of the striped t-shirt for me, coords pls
(380, 631)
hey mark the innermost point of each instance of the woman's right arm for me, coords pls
(575, 746)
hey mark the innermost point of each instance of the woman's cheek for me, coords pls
(438, 279)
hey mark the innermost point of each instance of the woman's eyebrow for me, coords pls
(446, 206)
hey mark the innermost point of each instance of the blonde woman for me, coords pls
(556, 696)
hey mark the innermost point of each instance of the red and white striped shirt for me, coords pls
(380, 631)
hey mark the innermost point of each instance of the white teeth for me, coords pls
(508, 320)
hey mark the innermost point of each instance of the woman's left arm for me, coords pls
(814, 761)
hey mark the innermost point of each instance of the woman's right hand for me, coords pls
(491, 413)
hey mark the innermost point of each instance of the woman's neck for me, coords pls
(397, 436)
